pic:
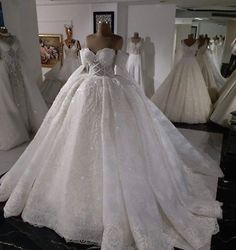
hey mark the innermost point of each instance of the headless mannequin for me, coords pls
(4, 32)
(207, 38)
(136, 38)
(5, 36)
(190, 40)
(104, 38)
(69, 41)
(201, 41)
(216, 38)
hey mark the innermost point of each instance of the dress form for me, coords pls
(190, 40)
(60, 73)
(104, 38)
(69, 41)
(99, 139)
(135, 61)
(136, 38)
(201, 41)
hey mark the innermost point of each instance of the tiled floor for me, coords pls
(15, 234)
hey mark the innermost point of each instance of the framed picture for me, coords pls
(50, 47)
(104, 16)
(1, 16)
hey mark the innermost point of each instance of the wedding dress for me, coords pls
(13, 130)
(226, 102)
(59, 74)
(134, 63)
(107, 167)
(22, 106)
(183, 96)
(207, 73)
(217, 49)
(214, 63)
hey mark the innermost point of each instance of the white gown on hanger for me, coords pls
(22, 106)
(134, 63)
(108, 167)
(226, 102)
(13, 129)
(59, 74)
(207, 73)
(183, 96)
(211, 54)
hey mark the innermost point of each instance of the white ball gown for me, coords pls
(226, 102)
(59, 74)
(212, 85)
(134, 63)
(22, 108)
(215, 62)
(183, 96)
(107, 167)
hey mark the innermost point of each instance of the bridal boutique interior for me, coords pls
(118, 142)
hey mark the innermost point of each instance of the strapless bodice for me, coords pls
(101, 63)
(190, 51)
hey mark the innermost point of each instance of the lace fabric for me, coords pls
(124, 170)
(22, 107)
(135, 63)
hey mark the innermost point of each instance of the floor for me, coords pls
(15, 234)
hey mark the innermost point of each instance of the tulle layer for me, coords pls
(183, 96)
(226, 103)
(106, 166)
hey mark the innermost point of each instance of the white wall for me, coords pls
(212, 29)
(21, 20)
(156, 23)
(51, 19)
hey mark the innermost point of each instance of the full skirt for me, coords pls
(13, 125)
(183, 96)
(226, 103)
(107, 167)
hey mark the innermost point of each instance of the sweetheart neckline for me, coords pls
(99, 50)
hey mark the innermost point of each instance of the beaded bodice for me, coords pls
(101, 63)
(71, 52)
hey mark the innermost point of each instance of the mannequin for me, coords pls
(21, 103)
(190, 40)
(60, 73)
(136, 38)
(135, 60)
(208, 75)
(207, 38)
(69, 41)
(104, 38)
(201, 41)
(131, 180)
(4, 31)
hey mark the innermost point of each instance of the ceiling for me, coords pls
(185, 8)
(203, 4)
(180, 3)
